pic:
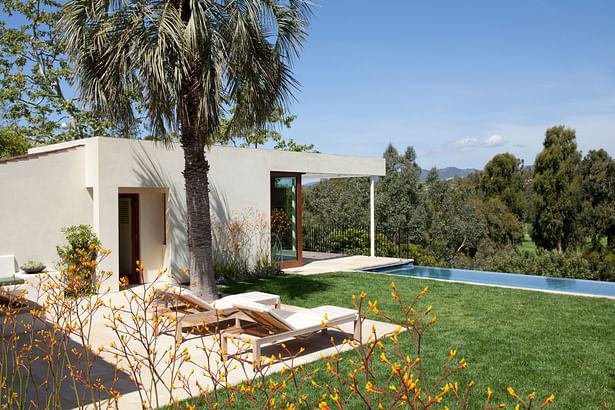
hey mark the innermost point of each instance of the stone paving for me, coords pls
(345, 264)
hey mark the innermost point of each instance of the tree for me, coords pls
(598, 180)
(469, 185)
(36, 106)
(184, 60)
(556, 187)
(452, 224)
(339, 201)
(397, 194)
(503, 227)
(502, 179)
(12, 145)
(260, 135)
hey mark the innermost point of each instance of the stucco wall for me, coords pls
(81, 185)
(39, 196)
(239, 182)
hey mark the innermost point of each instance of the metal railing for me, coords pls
(354, 240)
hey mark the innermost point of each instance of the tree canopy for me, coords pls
(598, 216)
(502, 179)
(397, 192)
(183, 61)
(255, 136)
(37, 105)
(556, 187)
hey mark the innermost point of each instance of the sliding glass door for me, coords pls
(286, 219)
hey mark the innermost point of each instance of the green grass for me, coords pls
(531, 341)
(527, 244)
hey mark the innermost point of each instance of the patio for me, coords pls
(320, 262)
(203, 350)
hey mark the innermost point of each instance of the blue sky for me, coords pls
(460, 81)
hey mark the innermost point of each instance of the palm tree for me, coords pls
(180, 62)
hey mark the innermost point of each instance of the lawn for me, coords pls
(527, 243)
(533, 341)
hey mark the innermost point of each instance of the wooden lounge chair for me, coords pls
(274, 325)
(194, 311)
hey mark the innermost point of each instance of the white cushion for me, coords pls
(225, 303)
(8, 266)
(256, 297)
(315, 316)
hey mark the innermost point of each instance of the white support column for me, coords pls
(372, 223)
(104, 214)
(105, 224)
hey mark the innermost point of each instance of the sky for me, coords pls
(460, 81)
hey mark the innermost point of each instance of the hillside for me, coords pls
(448, 172)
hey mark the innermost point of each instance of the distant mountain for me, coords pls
(447, 173)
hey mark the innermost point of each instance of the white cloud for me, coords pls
(494, 141)
(465, 144)
(426, 153)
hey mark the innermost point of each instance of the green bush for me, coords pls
(77, 259)
(602, 261)
(349, 240)
(569, 264)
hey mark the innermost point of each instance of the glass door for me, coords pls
(286, 219)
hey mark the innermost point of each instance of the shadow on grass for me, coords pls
(293, 286)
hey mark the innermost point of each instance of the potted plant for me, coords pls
(33, 267)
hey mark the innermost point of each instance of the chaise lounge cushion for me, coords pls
(274, 325)
(223, 305)
(199, 311)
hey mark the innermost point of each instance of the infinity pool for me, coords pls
(582, 286)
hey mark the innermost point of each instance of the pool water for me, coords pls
(582, 286)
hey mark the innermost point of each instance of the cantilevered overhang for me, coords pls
(314, 166)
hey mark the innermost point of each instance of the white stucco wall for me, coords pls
(39, 196)
(81, 185)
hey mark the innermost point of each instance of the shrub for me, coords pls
(602, 261)
(77, 259)
(236, 240)
(349, 239)
(141, 321)
(46, 354)
(569, 264)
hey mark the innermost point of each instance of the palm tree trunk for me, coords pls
(196, 170)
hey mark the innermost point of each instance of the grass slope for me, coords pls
(532, 341)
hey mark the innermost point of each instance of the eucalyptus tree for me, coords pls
(502, 179)
(397, 196)
(338, 201)
(182, 60)
(452, 223)
(557, 190)
(598, 181)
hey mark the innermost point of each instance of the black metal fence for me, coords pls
(354, 240)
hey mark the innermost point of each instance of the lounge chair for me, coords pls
(194, 311)
(274, 325)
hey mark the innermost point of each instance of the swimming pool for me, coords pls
(582, 286)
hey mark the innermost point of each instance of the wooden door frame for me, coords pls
(133, 278)
(299, 260)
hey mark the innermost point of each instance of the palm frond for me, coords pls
(184, 57)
